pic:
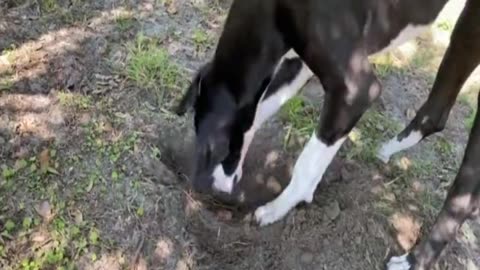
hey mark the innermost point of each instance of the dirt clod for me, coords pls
(45, 211)
(332, 210)
(306, 258)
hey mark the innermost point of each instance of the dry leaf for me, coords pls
(172, 7)
(45, 211)
(78, 216)
(39, 237)
(410, 113)
(44, 159)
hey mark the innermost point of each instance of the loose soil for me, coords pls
(98, 163)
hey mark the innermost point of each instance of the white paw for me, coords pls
(223, 185)
(270, 213)
(383, 156)
(399, 263)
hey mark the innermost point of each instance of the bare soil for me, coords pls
(93, 150)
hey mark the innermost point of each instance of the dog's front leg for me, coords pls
(347, 96)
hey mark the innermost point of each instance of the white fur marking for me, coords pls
(394, 145)
(408, 33)
(399, 263)
(307, 173)
(270, 106)
(221, 181)
(265, 109)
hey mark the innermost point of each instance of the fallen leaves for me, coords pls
(45, 211)
(45, 162)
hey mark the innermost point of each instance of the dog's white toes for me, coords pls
(383, 156)
(269, 213)
(399, 263)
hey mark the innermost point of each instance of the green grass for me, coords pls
(373, 128)
(49, 6)
(384, 65)
(6, 81)
(65, 238)
(125, 21)
(423, 58)
(9, 54)
(469, 99)
(70, 232)
(470, 120)
(151, 67)
(443, 147)
(300, 117)
(201, 39)
(75, 101)
(7, 73)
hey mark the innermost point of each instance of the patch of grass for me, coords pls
(443, 147)
(384, 207)
(68, 240)
(75, 101)
(125, 21)
(6, 81)
(430, 202)
(201, 39)
(422, 59)
(384, 64)
(49, 6)
(9, 54)
(54, 235)
(469, 99)
(470, 120)
(372, 129)
(151, 68)
(300, 117)
(7, 76)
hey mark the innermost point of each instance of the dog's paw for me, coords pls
(383, 156)
(270, 213)
(399, 263)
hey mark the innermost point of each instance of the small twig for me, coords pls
(391, 182)
(136, 256)
(386, 253)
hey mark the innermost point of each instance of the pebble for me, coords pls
(224, 215)
(306, 258)
(333, 210)
(358, 240)
(389, 196)
(274, 185)
(410, 113)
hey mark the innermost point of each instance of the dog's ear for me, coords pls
(189, 98)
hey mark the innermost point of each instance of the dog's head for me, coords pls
(215, 112)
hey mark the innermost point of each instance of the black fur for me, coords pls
(334, 38)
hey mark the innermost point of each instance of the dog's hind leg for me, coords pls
(462, 201)
(460, 59)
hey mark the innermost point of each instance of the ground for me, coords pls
(94, 163)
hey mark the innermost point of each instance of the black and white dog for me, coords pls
(270, 48)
